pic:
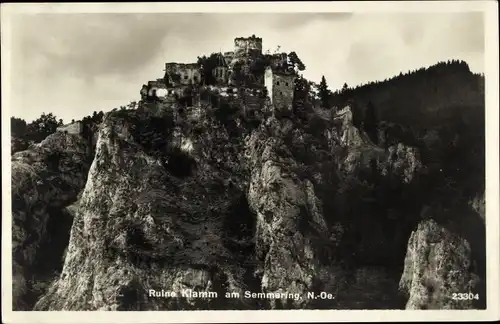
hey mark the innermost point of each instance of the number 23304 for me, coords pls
(464, 296)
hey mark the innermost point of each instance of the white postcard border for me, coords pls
(489, 8)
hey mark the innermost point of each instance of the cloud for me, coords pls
(89, 44)
(384, 45)
(73, 64)
(93, 44)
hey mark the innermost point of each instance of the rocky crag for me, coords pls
(46, 180)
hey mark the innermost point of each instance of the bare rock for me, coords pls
(287, 208)
(45, 179)
(437, 268)
(402, 161)
(150, 218)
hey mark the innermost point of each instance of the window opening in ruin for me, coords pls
(277, 83)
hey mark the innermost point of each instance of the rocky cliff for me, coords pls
(276, 205)
(154, 215)
(45, 179)
(437, 273)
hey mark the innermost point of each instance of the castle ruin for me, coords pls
(245, 74)
(248, 46)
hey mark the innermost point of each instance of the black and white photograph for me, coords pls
(199, 158)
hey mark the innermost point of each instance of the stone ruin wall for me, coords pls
(247, 45)
(75, 128)
(279, 60)
(282, 91)
(181, 73)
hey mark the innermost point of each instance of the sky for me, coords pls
(74, 64)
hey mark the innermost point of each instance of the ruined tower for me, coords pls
(247, 46)
(280, 85)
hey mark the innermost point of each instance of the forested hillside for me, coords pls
(440, 109)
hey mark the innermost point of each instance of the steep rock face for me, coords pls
(290, 221)
(45, 178)
(403, 162)
(357, 150)
(347, 134)
(438, 265)
(153, 215)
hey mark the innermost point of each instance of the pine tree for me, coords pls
(371, 122)
(301, 93)
(324, 93)
(296, 62)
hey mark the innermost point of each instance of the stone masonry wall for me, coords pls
(247, 45)
(180, 73)
(74, 128)
(282, 91)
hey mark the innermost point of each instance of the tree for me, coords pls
(259, 64)
(296, 62)
(371, 122)
(18, 127)
(324, 93)
(237, 76)
(207, 65)
(301, 95)
(345, 87)
(18, 131)
(23, 134)
(42, 127)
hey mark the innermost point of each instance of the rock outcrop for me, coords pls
(45, 179)
(291, 227)
(154, 216)
(437, 273)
